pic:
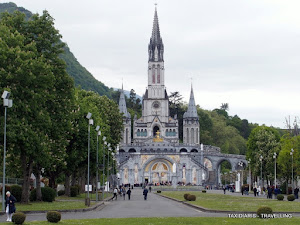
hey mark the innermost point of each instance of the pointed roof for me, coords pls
(156, 46)
(155, 29)
(192, 110)
(122, 104)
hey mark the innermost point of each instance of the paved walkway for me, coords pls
(155, 206)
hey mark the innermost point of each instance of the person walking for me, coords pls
(10, 206)
(115, 193)
(145, 193)
(129, 193)
(124, 192)
(255, 191)
(296, 191)
(150, 189)
(224, 189)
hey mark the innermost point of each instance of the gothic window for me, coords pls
(197, 136)
(158, 74)
(187, 135)
(192, 136)
(145, 133)
(153, 74)
(126, 136)
(174, 133)
(167, 132)
(138, 132)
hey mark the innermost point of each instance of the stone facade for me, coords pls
(154, 155)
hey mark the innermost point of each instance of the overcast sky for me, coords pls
(245, 53)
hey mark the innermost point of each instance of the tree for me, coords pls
(224, 106)
(263, 141)
(41, 89)
(289, 142)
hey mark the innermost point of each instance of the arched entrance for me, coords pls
(155, 129)
(160, 172)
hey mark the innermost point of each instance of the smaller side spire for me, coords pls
(192, 110)
(122, 104)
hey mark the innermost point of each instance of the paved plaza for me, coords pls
(155, 206)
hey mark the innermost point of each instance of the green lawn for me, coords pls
(175, 220)
(83, 196)
(56, 205)
(235, 203)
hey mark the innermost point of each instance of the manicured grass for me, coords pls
(83, 196)
(175, 220)
(235, 203)
(56, 205)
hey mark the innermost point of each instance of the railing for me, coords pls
(9, 181)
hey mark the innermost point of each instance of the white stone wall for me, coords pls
(191, 131)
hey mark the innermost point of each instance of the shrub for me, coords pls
(78, 189)
(191, 197)
(18, 218)
(158, 191)
(185, 196)
(32, 196)
(53, 216)
(74, 191)
(16, 191)
(203, 191)
(280, 197)
(48, 194)
(61, 192)
(264, 210)
(290, 197)
(7, 188)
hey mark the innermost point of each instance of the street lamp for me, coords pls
(274, 157)
(261, 178)
(91, 122)
(7, 103)
(103, 172)
(292, 151)
(97, 160)
(108, 149)
(249, 161)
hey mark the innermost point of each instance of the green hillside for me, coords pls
(82, 77)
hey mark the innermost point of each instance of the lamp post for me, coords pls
(7, 103)
(249, 161)
(91, 122)
(241, 164)
(103, 172)
(261, 179)
(274, 157)
(97, 160)
(292, 153)
(108, 149)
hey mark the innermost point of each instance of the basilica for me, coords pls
(153, 153)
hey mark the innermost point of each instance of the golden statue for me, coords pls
(157, 137)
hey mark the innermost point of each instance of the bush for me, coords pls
(32, 196)
(203, 191)
(16, 191)
(7, 188)
(291, 198)
(53, 216)
(74, 191)
(264, 210)
(61, 192)
(48, 194)
(280, 197)
(18, 218)
(185, 196)
(78, 188)
(158, 191)
(191, 197)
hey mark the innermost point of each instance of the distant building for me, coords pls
(154, 155)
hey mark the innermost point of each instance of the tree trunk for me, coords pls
(27, 170)
(38, 184)
(67, 184)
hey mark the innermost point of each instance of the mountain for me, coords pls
(82, 77)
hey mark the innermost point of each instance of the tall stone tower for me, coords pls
(155, 109)
(126, 134)
(191, 129)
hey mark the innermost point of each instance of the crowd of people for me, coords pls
(122, 192)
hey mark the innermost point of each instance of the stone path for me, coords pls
(155, 206)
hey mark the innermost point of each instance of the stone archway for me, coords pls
(160, 172)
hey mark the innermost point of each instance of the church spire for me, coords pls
(156, 47)
(122, 104)
(192, 110)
